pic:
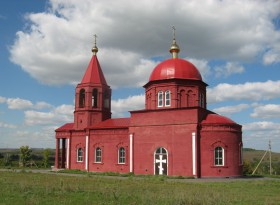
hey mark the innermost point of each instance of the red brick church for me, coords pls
(173, 135)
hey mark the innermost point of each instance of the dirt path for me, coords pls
(199, 180)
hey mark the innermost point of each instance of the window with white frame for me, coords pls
(79, 155)
(167, 98)
(98, 155)
(219, 156)
(121, 155)
(160, 99)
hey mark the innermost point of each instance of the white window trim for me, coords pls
(223, 157)
(160, 92)
(165, 98)
(95, 161)
(78, 160)
(123, 157)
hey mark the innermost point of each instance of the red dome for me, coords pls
(175, 68)
(217, 119)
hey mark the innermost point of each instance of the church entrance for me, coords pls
(160, 161)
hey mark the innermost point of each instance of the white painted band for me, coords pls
(86, 165)
(68, 153)
(194, 153)
(131, 153)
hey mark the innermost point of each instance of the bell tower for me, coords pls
(93, 96)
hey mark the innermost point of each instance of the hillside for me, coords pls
(256, 155)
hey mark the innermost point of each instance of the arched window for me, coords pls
(219, 156)
(190, 98)
(160, 99)
(106, 99)
(202, 100)
(167, 98)
(121, 155)
(160, 161)
(98, 155)
(94, 97)
(161, 150)
(148, 101)
(82, 98)
(183, 98)
(79, 155)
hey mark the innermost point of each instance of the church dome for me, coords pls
(175, 68)
(217, 119)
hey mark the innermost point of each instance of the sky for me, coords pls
(45, 47)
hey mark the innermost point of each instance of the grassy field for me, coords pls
(256, 155)
(32, 188)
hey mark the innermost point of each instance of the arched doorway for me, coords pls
(160, 161)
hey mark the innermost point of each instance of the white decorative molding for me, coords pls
(131, 153)
(194, 153)
(68, 153)
(86, 165)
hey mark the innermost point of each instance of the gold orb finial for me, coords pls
(174, 49)
(94, 48)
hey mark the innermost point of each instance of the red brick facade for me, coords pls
(174, 135)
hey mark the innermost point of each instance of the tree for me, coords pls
(25, 155)
(46, 158)
(7, 161)
(247, 167)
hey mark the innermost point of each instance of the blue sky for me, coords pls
(45, 49)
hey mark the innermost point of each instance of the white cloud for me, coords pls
(121, 107)
(248, 91)
(2, 99)
(228, 110)
(201, 65)
(257, 135)
(44, 138)
(228, 69)
(6, 125)
(130, 70)
(261, 126)
(18, 104)
(42, 105)
(272, 56)
(38, 118)
(22, 104)
(64, 110)
(266, 111)
(55, 48)
(61, 114)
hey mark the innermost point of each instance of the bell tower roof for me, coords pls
(94, 72)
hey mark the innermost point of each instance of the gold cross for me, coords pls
(95, 36)
(173, 27)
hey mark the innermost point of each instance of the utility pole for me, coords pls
(270, 167)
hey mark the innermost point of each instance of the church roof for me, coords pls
(113, 123)
(94, 73)
(175, 68)
(217, 119)
(66, 127)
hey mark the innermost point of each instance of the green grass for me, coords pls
(31, 188)
(77, 171)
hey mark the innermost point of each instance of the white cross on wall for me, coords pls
(160, 161)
